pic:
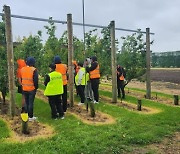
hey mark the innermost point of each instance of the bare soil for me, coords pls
(166, 75)
(158, 86)
(36, 129)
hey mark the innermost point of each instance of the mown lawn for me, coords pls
(74, 137)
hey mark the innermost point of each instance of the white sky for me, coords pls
(161, 16)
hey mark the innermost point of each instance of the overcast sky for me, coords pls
(161, 16)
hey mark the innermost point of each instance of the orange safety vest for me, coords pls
(62, 68)
(95, 73)
(27, 78)
(121, 77)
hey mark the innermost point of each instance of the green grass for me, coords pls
(73, 136)
(4, 131)
(153, 93)
(42, 87)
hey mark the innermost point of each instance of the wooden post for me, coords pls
(10, 59)
(70, 58)
(148, 74)
(139, 105)
(92, 109)
(176, 100)
(156, 95)
(113, 62)
(24, 117)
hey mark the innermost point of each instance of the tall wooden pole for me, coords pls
(148, 63)
(70, 58)
(113, 62)
(10, 59)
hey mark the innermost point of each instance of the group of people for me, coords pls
(87, 79)
(86, 73)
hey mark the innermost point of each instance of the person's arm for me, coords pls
(93, 67)
(35, 78)
(47, 79)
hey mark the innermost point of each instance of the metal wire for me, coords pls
(74, 23)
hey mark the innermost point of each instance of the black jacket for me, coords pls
(121, 71)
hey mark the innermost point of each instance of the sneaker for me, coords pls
(62, 117)
(80, 103)
(96, 102)
(32, 119)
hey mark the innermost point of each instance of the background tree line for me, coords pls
(166, 59)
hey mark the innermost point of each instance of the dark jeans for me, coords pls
(64, 98)
(29, 102)
(56, 106)
(95, 88)
(80, 89)
(120, 87)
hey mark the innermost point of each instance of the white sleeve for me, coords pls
(81, 74)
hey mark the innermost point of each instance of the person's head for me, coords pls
(52, 67)
(74, 62)
(88, 61)
(93, 58)
(30, 61)
(21, 63)
(80, 64)
(57, 60)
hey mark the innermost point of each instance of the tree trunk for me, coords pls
(70, 58)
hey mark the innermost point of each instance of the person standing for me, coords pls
(121, 74)
(88, 90)
(75, 71)
(80, 81)
(29, 78)
(62, 68)
(54, 90)
(94, 74)
(21, 63)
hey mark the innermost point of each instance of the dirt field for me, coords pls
(165, 80)
(166, 74)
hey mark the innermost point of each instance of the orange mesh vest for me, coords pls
(27, 78)
(121, 77)
(95, 73)
(62, 68)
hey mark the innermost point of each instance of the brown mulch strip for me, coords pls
(99, 119)
(159, 99)
(81, 113)
(131, 107)
(170, 145)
